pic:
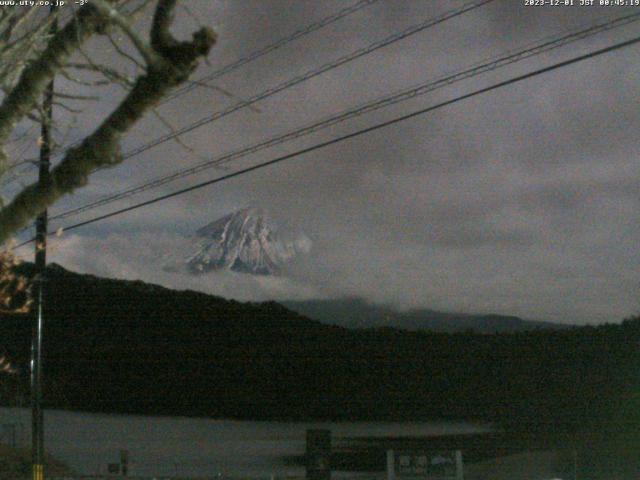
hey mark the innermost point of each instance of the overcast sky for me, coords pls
(520, 201)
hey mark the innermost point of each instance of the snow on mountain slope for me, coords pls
(245, 241)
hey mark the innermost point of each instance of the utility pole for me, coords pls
(37, 418)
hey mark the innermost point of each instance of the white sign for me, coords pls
(424, 465)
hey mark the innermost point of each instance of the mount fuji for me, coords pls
(246, 241)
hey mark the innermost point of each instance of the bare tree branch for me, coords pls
(177, 138)
(36, 76)
(149, 55)
(124, 54)
(172, 63)
(110, 74)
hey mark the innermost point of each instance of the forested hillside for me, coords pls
(121, 346)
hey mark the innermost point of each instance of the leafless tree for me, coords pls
(32, 54)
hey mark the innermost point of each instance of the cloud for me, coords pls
(143, 256)
(520, 201)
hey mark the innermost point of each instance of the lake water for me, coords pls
(167, 446)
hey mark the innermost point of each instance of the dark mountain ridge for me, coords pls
(130, 347)
(357, 313)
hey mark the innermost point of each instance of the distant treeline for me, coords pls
(130, 347)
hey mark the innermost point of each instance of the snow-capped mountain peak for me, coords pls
(246, 241)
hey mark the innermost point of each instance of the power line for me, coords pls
(412, 30)
(322, 23)
(310, 74)
(274, 46)
(358, 133)
(474, 70)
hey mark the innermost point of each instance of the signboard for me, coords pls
(424, 465)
